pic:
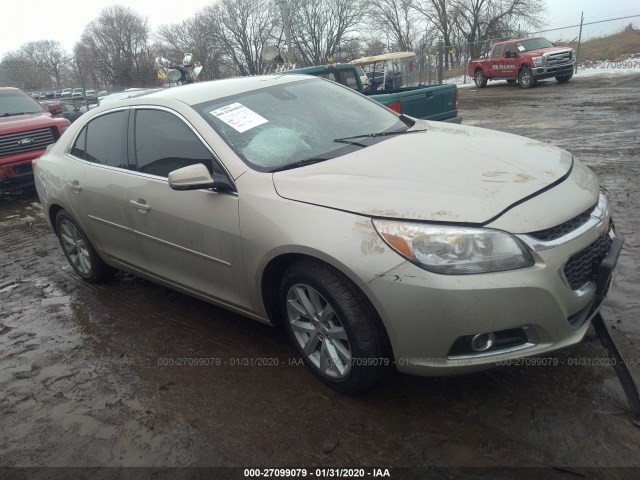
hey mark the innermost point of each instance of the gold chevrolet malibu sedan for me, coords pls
(376, 240)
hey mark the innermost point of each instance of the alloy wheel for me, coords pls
(75, 247)
(318, 331)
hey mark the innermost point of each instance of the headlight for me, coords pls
(454, 250)
(537, 61)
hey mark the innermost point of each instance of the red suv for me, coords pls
(26, 129)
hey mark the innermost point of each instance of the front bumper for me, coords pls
(532, 311)
(553, 71)
(16, 176)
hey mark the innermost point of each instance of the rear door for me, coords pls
(497, 61)
(189, 238)
(97, 183)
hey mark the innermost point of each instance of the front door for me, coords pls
(189, 238)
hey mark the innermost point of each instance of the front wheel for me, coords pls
(80, 254)
(479, 79)
(333, 327)
(564, 78)
(526, 78)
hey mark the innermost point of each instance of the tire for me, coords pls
(564, 78)
(512, 81)
(80, 254)
(526, 78)
(479, 79)
(333, 326)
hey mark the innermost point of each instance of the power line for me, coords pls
(585, 23)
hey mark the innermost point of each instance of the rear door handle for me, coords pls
(140, 205)
(75, 186)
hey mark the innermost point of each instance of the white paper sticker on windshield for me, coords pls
(521, 48)
(239, 117)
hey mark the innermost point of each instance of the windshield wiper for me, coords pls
(378, 134)
(299, 163)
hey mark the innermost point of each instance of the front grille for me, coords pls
(561, 230)
(27, 141)
(581, 267)
(558, 58)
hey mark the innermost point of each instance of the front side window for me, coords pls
(165, 143)
(107, 139)
(509, 50)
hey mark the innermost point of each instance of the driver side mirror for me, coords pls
(196, 177)
(54, 108)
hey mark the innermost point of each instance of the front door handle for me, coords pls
(74, 186)
(140, 205)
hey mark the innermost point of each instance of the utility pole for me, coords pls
(287, 29)
(579, 39)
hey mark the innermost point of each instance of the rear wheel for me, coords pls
(79, 252)
(333, 327)
(479, 79)
(526, 78)
(564, 78)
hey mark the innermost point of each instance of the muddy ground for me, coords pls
(84, 379)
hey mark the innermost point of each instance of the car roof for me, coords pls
(10, 89)
(382, 58)
(200, 92)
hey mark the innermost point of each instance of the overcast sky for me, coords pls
(65, 20)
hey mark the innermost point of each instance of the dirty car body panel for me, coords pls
(373, 238)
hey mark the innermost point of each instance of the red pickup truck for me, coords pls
(26, 129)
(525, 60)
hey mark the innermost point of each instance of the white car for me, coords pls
(376, 240)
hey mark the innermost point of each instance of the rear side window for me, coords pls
(165, 143)
(79, 146)
(497, 52)
(107, 139)
(348, 78)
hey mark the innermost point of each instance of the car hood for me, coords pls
(450, 173)
(27, 122)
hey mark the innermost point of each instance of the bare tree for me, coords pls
(48, 56)
(241, 28)
(194, 36)
(350, 49)
(117, 43)
(483, 21)
(319, 26)
(374, 46)
(397, 18)
(442, 15)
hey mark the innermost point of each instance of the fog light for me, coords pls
(482, 341)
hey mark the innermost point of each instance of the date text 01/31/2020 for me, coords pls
(317, 472)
